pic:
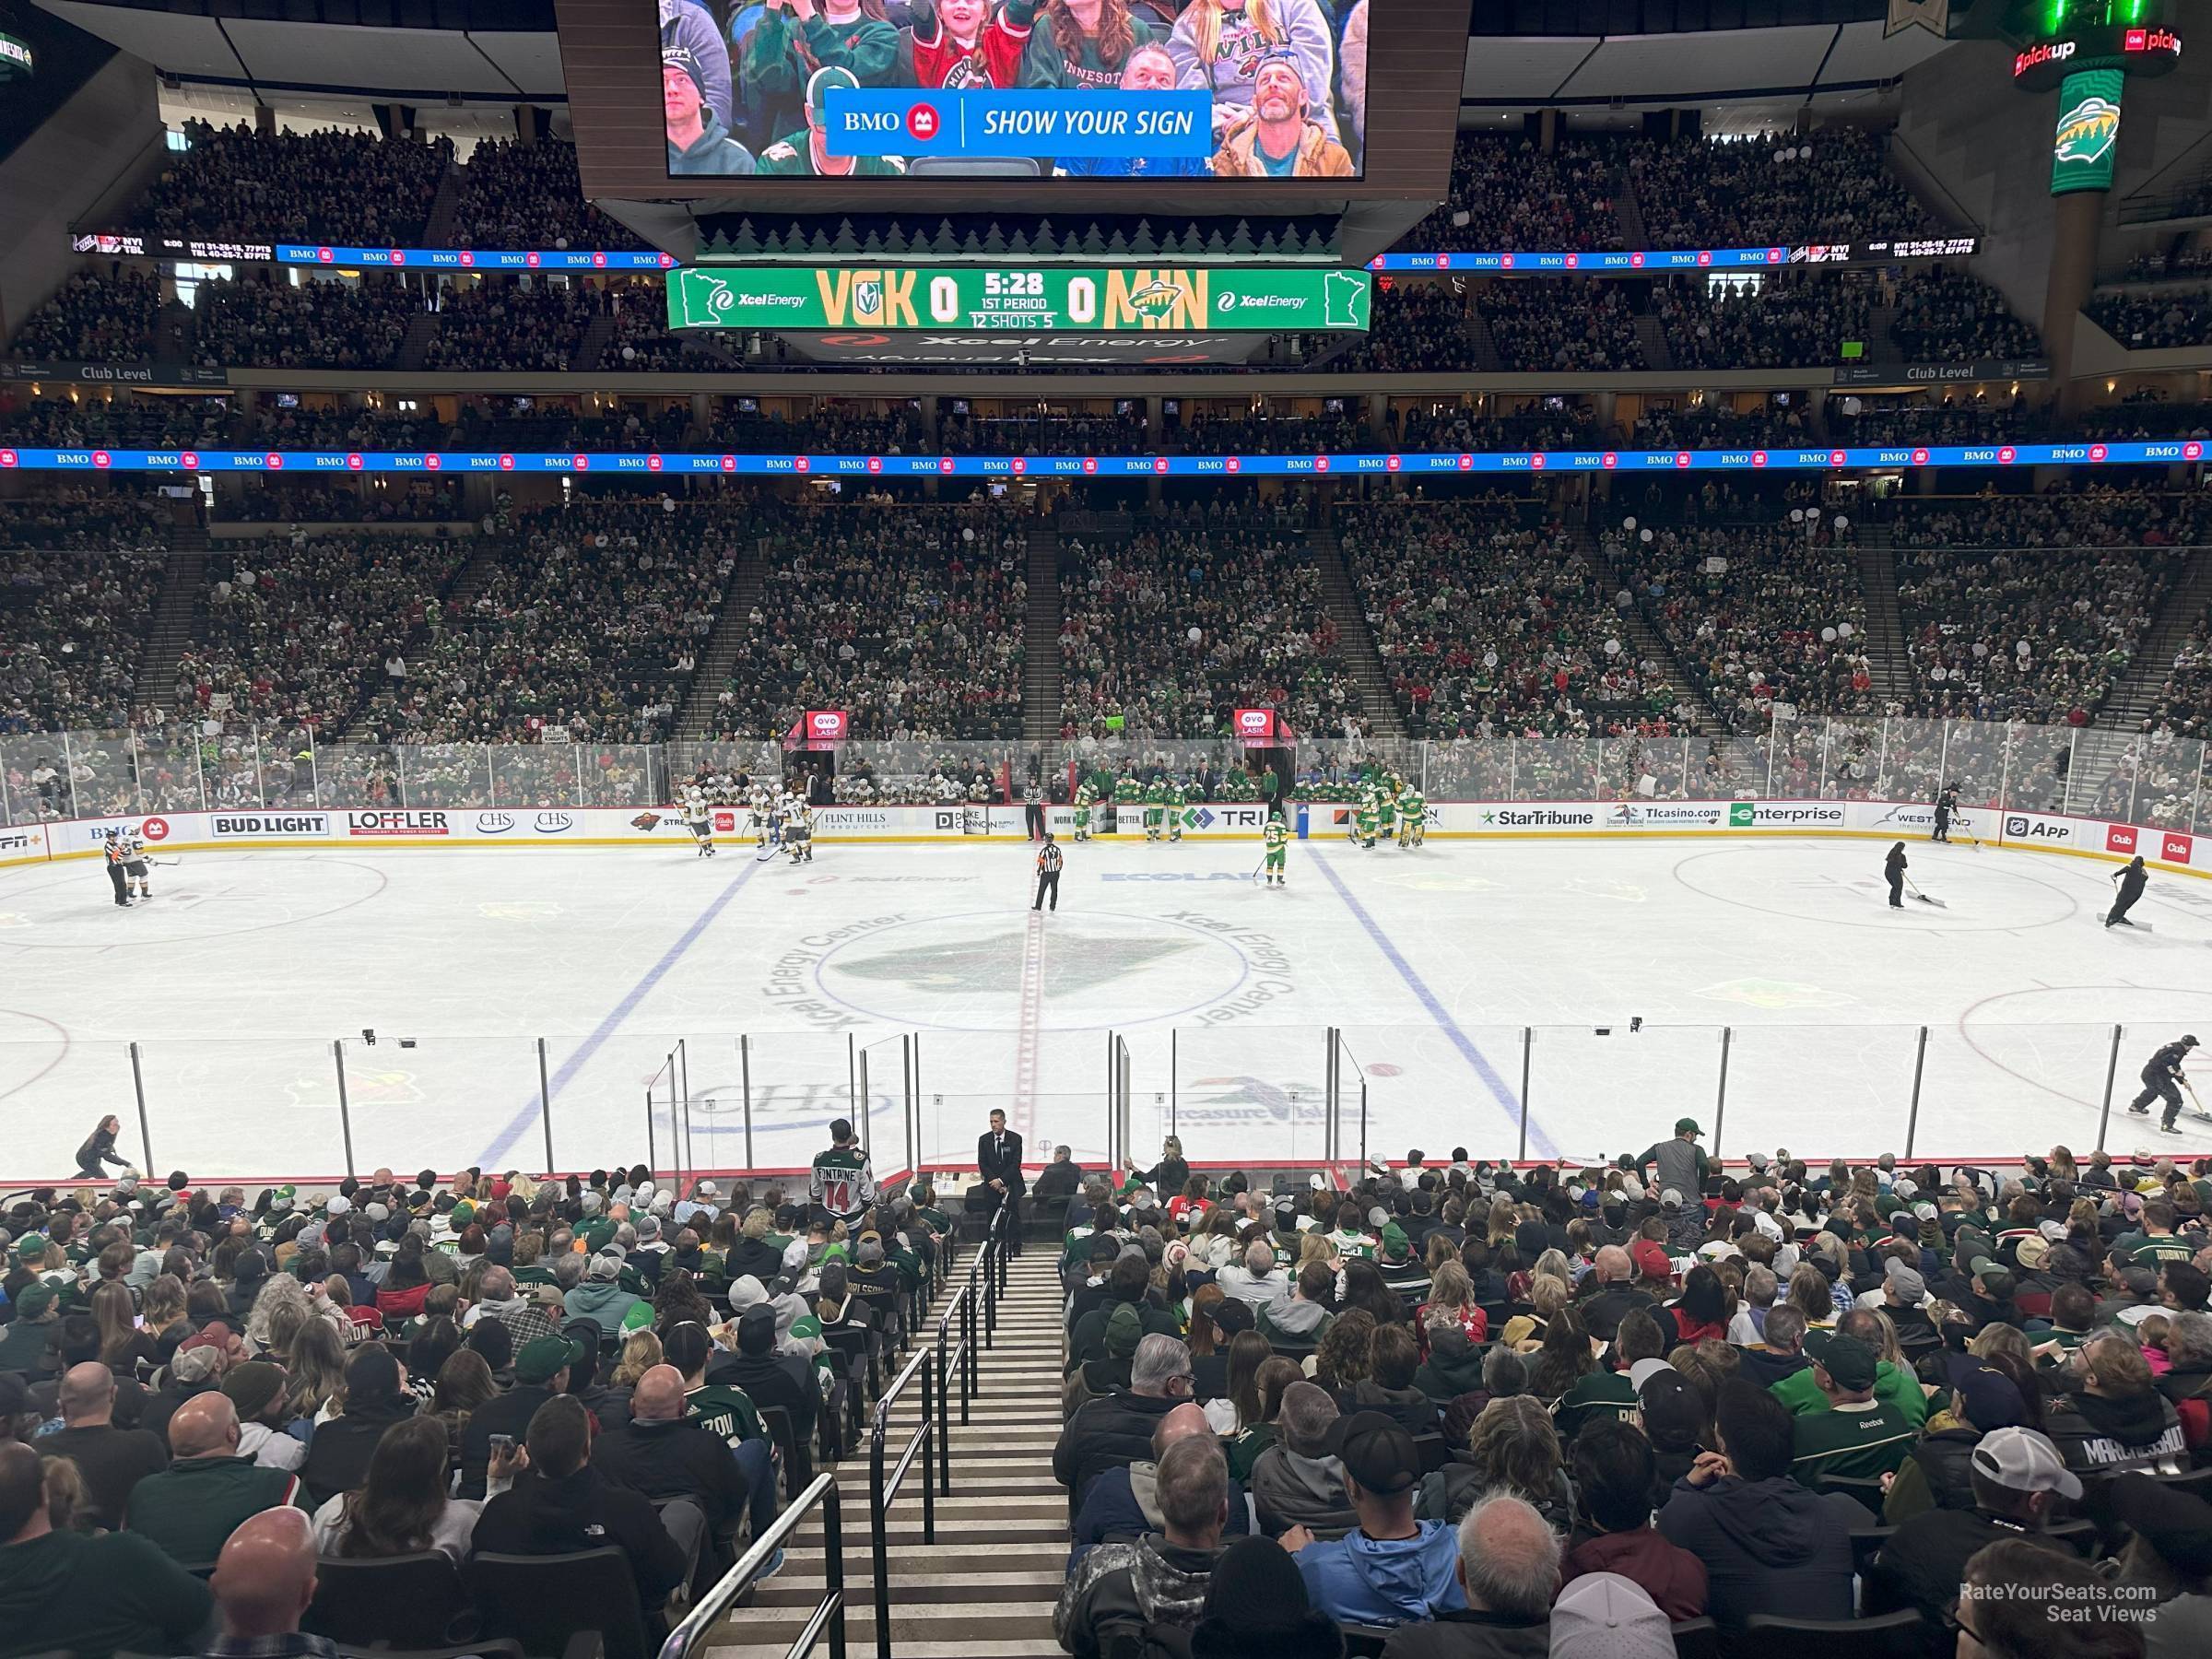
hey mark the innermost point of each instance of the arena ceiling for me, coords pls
(1520, 54)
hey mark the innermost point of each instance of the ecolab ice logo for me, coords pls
(271, 823)
(2176, 849)
(552, 823)
(2119, 838)
(396, 823)
(2035, 828)
(493, 823)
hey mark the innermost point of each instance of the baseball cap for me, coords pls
(1644, 1371)
(371, 1374)
(757, 1329)
(606, 1265)
(1990, 1398)
(1124, 1330)
(543, 1356)
(824, 81)
(1394, 1244)
(253, 1387)
(2020, 1460)
(1910, 1283)
(1650, 1259)
(1688, 1126)
(1850, 1363)
(1375, 1451)
(1605, 1616)
(33, 1301)
(1673, 1413)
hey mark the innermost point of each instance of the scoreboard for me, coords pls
(1029, 300)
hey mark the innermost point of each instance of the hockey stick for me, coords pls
(169, 864)
(766, 851)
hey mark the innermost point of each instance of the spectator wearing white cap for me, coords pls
(1605, 1616)
(2018, 1477)
(601, 1298)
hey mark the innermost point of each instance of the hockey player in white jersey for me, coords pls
(698, 819)
(760, 803)
(798, 830)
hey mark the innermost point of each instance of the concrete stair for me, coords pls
(732, 623)
(2129, 702)
(1888, 663)
(1043, 686)
(594, 341)
(1355, 638)
(1650, 339)
(987, 1588)
(182, 581)
(422, 328)
(445, 208)
(1643, 638)
(459, 594)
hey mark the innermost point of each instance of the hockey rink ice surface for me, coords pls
(245, 967)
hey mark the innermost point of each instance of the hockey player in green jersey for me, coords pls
(1176, 800)
(1278, 836)
(1156, 808)
(1127, 791)
(1386, 806)
(1083, 797)
(1413, 817)
(1363, 817)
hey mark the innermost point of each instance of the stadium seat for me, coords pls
(543, 1602)
(410, 1600)
(1881, 1638)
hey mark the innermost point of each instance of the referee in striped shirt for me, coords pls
(1048, 872)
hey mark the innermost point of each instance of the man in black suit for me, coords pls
(998, 1158)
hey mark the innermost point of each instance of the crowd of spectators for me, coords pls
(1271, 431)
(333, 185)
(2154, 322)
(2145, 414)
(1044, 430)
(1946, 316)
(1552, 424)
(833, 429)
(1781, 320)
(908, 618)
(321, 322)
(411, 1367)
(1778, 424)
(2183, 704)
(1831, 185)
(386, 500)
(1472, 1411)
(111, 316)
(1760, 613)
(2030, 634)
(295, 630)
(84, 515)
(1569, 327)
(72, 627)
(1414, 327)
(1493, 621)
(529, 195)
(1512, 195)
(506, 323)
(586, 629)
(642, 342)
(1951, 418)
(119, 423)
(1199, 612)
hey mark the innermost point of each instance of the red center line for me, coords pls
(1024, 1113)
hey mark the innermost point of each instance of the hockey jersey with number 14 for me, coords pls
(841, 1182)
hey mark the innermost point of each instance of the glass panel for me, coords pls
(288, 774)
(535, 774)
(1995, 1090)
(357, 775)
(236, 775)
(1823, 1091)
(99, 770)
(620, 775)
(38, 781)
(1237, 1093)
(1472, 768)
(41, 1066)
(247, 1107)
(168, 771)
(1672, 1071)
(445, 1100)
(1851, 761)
(444, 774)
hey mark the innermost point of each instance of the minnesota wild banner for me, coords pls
(2087, 137)
(1034, 300)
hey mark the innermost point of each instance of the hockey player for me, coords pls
(1278, 836)
(1156, 808)
(1386, 807)
(1176, 800)
(1085, 795)
(699, 820)
(1364, 815)
(760, 804)
(2160, 1077)
(134, 864)
(2133, 879)
(117, 877)
(1413, 817)
(798, 830)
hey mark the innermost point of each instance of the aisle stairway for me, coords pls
(1648, 644)
(454, 601)
(1043, 686)
(182, 577)
(1888, 663)
(733, 626)
(987, 1588)
(1355, 638)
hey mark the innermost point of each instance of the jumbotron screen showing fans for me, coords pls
(1015, 88)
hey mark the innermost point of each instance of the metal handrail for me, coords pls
(883, 1488)
(828, 1613)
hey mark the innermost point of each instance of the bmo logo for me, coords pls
(2119, 838)
(155, 828)
(2176, 849)
(922, 123)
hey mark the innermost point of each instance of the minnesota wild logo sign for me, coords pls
(2086, 131)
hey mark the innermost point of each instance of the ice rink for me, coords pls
(1469, 980)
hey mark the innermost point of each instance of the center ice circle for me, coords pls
(1096, 971)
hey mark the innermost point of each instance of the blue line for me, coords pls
(613, 1022)
(1500, 1089)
